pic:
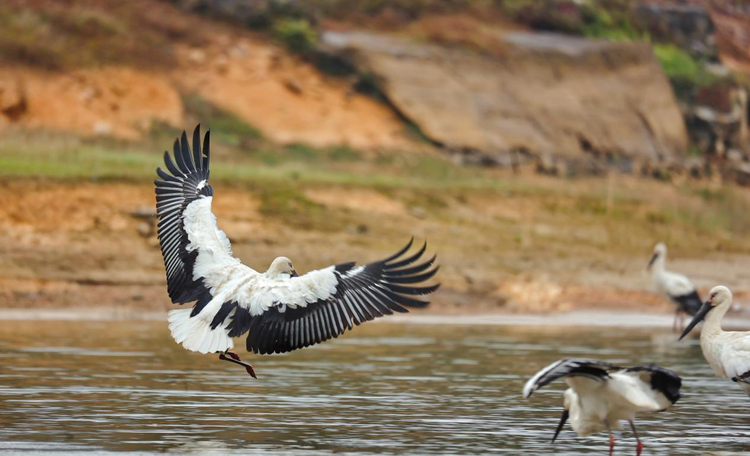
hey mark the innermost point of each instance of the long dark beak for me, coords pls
(563, 419)
(294, 273)
(651, 261)
(702, 312)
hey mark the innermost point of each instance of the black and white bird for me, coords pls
(279, 310)
(602, 394)
(675, 287)
(728, 352)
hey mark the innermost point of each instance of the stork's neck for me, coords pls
(712, 325)
(272, 273)
(275, 273)
(658, 267)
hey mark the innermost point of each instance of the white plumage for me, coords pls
(279, 310)
(602, 395)
(728, 352)
(674, 286)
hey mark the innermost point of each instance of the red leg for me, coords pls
(235, 358)
(611, 439)
(233, 355)
(639, 447)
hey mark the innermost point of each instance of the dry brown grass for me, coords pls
(64, 35)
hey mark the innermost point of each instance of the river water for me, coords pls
(384, 388)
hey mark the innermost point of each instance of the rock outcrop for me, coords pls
(545, 95)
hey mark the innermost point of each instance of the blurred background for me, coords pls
(541, 147)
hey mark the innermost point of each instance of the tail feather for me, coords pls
(195, 334)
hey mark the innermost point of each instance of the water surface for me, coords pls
(383, 388)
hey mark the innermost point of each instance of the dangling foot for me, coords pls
(235, 358)
(233, 355)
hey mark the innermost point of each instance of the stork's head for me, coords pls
(279, 266)
(719, 296)
(660, 253)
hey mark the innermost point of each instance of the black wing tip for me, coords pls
(183, 160)
(664, 380)
(400, 252)
(400, 272)
(397, 260)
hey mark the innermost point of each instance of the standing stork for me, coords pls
(279, 310)
(602, 394)
(675, 287)
(728, 352)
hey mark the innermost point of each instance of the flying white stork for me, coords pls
(601, 394)
(728, 352)
(675, 287)
(279, 310)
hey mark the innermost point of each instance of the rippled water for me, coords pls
(382, 389)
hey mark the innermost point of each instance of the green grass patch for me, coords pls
(344, 154)
(225, 126)
(685, 72)
(425, 184)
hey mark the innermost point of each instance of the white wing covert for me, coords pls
(678, 284)
(736, 357)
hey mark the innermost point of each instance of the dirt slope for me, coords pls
(93, 245)
(122, 90)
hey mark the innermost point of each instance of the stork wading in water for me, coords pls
(728, 352)
(601, 394)
(280, 310)
(675, 287)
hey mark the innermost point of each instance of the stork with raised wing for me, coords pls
(728, 352)
(601, 394)
(279, 310)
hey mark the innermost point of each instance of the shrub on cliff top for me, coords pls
(685, 72)
(297, 34)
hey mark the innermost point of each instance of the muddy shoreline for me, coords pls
(588, 318)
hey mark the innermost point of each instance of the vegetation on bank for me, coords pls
(59, 36)
(602, 213)
(470, 23)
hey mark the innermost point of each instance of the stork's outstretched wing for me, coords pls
(187, 182)
(569, 367)
(659, 387)
(323, 304)
(197, 254)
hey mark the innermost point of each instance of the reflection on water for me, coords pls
(381, 389)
